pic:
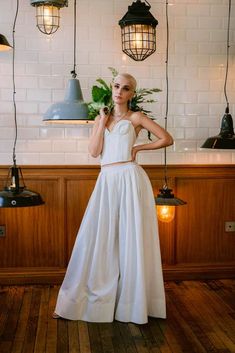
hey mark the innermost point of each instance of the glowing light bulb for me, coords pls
(48, 15)
(165, 213)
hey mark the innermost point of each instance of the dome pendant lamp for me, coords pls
(226, 137)
(138, 31)
(15, 193)
(73, 110)
(4, 45)
(165, 200)
(48, 14)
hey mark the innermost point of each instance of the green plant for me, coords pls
(102, 96)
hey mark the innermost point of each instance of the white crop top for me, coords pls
(118, 143)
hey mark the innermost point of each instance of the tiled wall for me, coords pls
(43, 64)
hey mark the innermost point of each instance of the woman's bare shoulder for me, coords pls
(137, 118)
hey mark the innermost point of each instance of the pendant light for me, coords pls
(138, 31)
(48, 14)
(165, 200)
(4, 45)
(226, 137)
(15, 193)
(73, 109)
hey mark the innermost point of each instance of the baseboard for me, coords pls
(198, 272)
(21, 276)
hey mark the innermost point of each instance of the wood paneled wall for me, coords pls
(39, 240)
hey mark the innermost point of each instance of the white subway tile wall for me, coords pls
(197, 59)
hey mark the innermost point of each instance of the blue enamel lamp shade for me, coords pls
(72, 110)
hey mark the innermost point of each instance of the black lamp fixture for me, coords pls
(73, 110)
(166, 200)
(226, 137)
(48, 14)
(15, 193)
(138, 31)
(4, 45)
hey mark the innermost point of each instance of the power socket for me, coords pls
(2, 231)
(229, 226)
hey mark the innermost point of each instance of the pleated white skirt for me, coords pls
(115, 269)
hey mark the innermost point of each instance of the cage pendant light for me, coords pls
(166, 200)
(73, 110)
(15, 193)
(138, 31)
(226, 137)
(48, 14)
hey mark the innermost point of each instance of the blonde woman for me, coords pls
(115, 270)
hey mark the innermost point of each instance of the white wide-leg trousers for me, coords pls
(115, 269)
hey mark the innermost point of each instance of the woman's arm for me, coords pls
(164, 138)
(97, 137)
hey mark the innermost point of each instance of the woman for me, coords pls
(115, 269)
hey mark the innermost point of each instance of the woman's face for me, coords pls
(122, 90)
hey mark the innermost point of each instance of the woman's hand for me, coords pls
(104, 115)
(134, 152)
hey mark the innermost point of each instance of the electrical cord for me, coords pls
(167, 90)
(227, 60)
(13, 80)
(73, 72)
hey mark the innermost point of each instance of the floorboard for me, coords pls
(200, 319)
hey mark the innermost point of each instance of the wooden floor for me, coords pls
(201, 318)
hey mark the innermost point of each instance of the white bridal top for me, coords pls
(118, 143)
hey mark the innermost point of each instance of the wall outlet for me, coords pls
(229, 226)
(2, 231)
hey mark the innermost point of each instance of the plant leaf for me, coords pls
(98, 93)
(103, 83)
(113, 71)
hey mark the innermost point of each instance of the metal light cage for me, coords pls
(138, 41)
(48, 19)
(138, 31)
(48, 14)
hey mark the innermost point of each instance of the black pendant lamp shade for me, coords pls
(4, 45)
(15, 193)
(226, 137)
(138, 28)
(166, 202)
(167, 198)
(48, 14)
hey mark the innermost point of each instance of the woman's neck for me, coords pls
(119, 111)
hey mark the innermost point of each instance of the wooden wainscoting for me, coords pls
(39, 240)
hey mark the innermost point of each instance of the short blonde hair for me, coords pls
(130, 78)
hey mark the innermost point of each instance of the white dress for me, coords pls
(115, 269)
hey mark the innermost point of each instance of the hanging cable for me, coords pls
(227, 60)
(167, 90)
(13, 81)
(73, 72)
